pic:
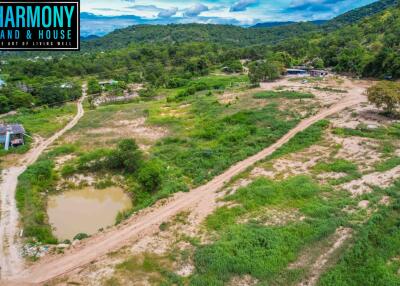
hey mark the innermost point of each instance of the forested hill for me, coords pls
(183, 33)
(279, 24)
(228, 34)
(356, 15)
(370, 47)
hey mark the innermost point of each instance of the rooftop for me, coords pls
(13, 128)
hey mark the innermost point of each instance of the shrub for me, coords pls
(150, 176)
(81, 236)
(127, 156)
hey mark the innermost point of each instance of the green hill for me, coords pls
(356, 15)
(369, 47)
(228, 34)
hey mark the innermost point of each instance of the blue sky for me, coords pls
(236, 12)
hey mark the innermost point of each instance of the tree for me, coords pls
(234, 66)
(4, 104)
(126, 157)
(94, 86)
(386, 95)
(150, 176)
(21, 99)
(264, 70)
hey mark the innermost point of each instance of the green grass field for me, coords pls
(44, 121)
(282, 94)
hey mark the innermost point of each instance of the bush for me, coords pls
(147, 93)
(81, 236)
(176, 83)
(150, 176)
(127, 156)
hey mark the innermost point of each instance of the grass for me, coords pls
(44, 121)
(212, 82)
(217, 140)
(303, 139)
(308, 79)
(156, 268)
(282, 94)
(265, 251)
(339, 166)
(330, 89)
(382, 133)
(373, 259)
(388, 164)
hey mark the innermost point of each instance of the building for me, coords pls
(11, 135)
(296, 72)
(319, 73)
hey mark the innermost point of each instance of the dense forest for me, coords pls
(364, 42)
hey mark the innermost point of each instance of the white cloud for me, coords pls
(195, 10)
(167, 13)
(242, 5)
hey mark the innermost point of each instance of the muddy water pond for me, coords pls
(85, 211)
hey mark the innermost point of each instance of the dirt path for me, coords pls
(341, 236)
(11, 261)
(148, 221)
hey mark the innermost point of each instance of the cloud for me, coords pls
(167, 13)
(242, 5)
(107, 10)
(313, 5)
(145, 8)
(195, 10)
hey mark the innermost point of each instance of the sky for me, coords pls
(121, 13)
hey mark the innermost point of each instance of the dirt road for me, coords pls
(11, 261)
(148, 221)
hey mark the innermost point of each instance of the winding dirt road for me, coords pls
(11, 261)
(148, 221)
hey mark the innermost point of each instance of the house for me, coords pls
(296, 72)
(319, 73)
(11, 135)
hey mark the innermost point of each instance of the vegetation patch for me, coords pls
(330, 89)
(339, 166)
(219, 140)
(384, 132)
(43, 121)
(265, 251)
(374, 257)
(303, 139)
(154, 269)
(388, 164)
(282, 94)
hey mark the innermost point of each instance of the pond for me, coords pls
(85, 211)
